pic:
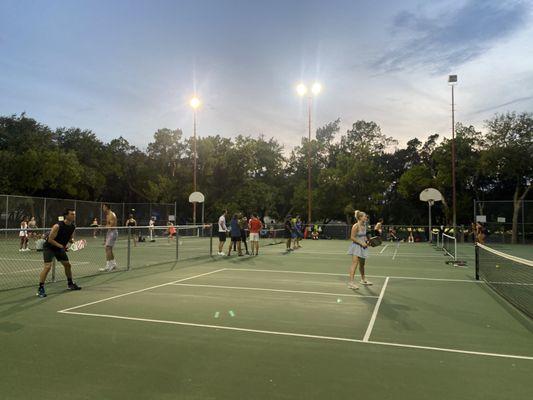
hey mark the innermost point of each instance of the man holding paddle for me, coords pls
(56, 247)
(110, 238)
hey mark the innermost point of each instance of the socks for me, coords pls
(69, 281)
(41, 284)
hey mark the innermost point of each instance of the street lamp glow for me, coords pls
(195, 102)
(316, 88)
(301, 89)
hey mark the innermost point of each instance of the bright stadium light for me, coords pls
(195, 102)
(301, 89)
(316, 88)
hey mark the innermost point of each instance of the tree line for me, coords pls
(362, 168)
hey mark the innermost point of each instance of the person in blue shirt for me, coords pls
(235, 233)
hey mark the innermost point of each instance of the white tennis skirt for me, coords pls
(359, 251)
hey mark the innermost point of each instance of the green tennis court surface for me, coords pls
(277, 326)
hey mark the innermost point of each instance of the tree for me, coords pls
(508, 156)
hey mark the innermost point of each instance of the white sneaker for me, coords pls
(353, 286)
(108, 268)
(221, 253)
(366, 283)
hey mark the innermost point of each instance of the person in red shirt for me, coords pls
(254, 225)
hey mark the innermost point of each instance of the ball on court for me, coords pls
(497, 266)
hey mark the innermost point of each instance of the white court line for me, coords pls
(338, 339)
(383, 249)
(375, 313)
(396, 251)
(372, 276)
(139, 291)
(272, 290)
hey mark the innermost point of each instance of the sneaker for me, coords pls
(108, 268)
(353, 286)
(221, 253)
(41, 292)
(366, 283)
(73, 286)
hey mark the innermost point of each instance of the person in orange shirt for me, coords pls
(171, 231)
(255, 226)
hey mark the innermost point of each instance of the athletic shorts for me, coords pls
(235, 238)
(222, 236)
(254, 237)
(51, 252)
(288, 235)
(111, 238)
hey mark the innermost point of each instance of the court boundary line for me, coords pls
(139, 291)
(372, 276)
(384, 247)
(396, 250)
(302, 335)
(273, 290)
(375, 312)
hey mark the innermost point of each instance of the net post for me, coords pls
(177, 243)
(129, 249)
(477, 261)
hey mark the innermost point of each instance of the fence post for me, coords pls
(523, 224)
(129, 249)
(7, 213)
(177, 243)
(45, 223)
(211, 240)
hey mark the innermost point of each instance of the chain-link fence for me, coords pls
(45, 210)
(21, 258)
(497, 216)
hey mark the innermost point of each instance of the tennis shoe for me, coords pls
(366, 283)
(353, 286)
(41, 292)
(73, 286)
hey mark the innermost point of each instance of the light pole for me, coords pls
(301, 89)
(194, 103)
(452, 80)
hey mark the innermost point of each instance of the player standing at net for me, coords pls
(55, 246)
(23, 234)
(255, 226)
(222, 232)
(132, 223)
(243, 225)
(235, 233)
(358, 249)
(110, 239)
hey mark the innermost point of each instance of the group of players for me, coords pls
(239, 225)
(61, 235)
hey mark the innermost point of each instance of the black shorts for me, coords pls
(49, 253)
(288, 234)
(222, 236)
(235, 238)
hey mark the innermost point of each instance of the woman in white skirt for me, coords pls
(358, 249)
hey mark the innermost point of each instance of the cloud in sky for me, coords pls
(128, 68)
(451, 37)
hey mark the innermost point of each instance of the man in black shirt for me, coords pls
(56, 246)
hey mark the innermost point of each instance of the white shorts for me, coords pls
(111, 238)
(254, 237)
